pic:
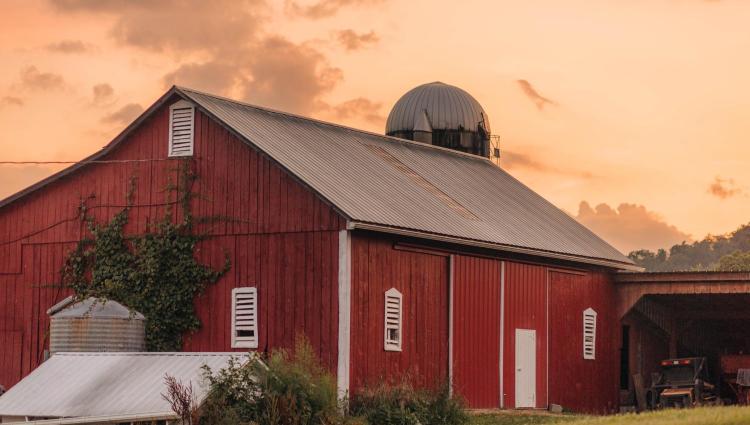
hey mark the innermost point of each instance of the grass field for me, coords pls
(702, 416)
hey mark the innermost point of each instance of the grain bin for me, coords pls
(95, 325)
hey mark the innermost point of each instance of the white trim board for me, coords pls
(344, 340)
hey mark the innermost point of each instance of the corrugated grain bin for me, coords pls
(95, 325)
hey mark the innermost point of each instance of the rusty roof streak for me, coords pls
(421, 181)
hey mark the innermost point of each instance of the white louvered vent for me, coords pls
(589, 334)
(393, 319)
(181, 119)
(245, 317)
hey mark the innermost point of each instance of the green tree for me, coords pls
(737, 261)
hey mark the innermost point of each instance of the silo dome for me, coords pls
(443, 115)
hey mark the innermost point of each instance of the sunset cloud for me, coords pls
(265, 69)
(630, 226)
(361, 108)
(351, 41)
(68, 46)
(323, 8)
(724, 188)
(33, 79)
(124, 115)
(289, 76)
(176, 25)
(530, 92)
(514, 160)
(103, 93)
(214, 76)
(11, 101)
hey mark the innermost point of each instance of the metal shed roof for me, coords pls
(106, 384)
(399, 184)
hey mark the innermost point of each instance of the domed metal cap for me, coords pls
(446, 107)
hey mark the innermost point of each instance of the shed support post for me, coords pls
(344, 290)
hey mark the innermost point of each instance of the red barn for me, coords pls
(395, 257)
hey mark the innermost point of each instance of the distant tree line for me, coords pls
(730, 252)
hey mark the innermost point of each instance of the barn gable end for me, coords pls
(278, 234)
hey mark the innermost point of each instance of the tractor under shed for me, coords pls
(670, 315)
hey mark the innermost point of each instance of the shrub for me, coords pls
(403, 405)
(290, 389)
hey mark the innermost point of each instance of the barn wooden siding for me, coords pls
(278, 235)
(525, 308)
(422, 278)
(476, 330)
(583, 385)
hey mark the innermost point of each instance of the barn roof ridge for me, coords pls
(182, 90)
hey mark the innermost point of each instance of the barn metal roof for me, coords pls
(399, 184)
(106, 384)
(446, 106)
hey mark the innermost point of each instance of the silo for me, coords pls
(95, 325)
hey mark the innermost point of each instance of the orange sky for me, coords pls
(640, 105)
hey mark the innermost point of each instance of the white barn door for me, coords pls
(525, 368)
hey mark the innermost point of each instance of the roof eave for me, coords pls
(353, 225)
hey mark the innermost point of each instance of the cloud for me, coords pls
(323, 8)
(33, 79)
(359, 108)
(11, 101)
(214, 76)
(176, 25)
(724, 188)
(289, 76)
(238, 56)
(103, 93)
(68, 46)
(350, 40)
(530, 92)
(515, 160)
(630, 226)
(124, 115)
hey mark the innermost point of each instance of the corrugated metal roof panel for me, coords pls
(99, 384)
(342, 166)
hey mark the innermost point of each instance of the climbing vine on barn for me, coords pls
(155, 273)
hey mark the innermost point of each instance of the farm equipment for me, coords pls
(682, 383)
(735, 372)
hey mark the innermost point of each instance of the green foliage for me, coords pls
(515, 417)
(155, 273)
(737, 261)
(705, 254)
(404, 405)
(289, 389)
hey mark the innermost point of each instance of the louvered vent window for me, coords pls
(181, 118)
(245, 317)
(393, 319)
(589, 334)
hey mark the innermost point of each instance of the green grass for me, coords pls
(515, 418)
(701, 416)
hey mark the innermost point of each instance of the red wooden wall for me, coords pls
(575, 383)
(422, 278)
(476, 330)
(279, 236)
(525, 308)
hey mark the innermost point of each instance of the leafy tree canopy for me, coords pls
(730, 252)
